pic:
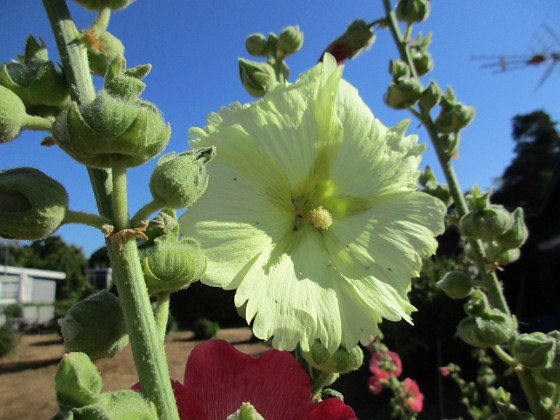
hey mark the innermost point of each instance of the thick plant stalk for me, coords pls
(148, 351)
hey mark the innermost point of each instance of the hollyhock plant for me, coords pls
(313, 213)
(220, 379)
(412, 395)
(386, 364)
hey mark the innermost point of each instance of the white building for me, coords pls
(33, 289)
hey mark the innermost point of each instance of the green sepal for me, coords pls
(411, 11)
(35, 50)
(77, 382)
(121, 405)
(403, 93)
(343, 360)
(487, 223)
(532, 350)
(12, 115)
(95, 326)
(290, 41)
(430, 97)
(32, 205)
(172, 264)
(100, 58)
(453, 116)
(456, 284)
(245, 412)
(139, 72)
(517, 234)
(551, 371)
(179, 180)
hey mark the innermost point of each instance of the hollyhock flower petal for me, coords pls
(312, 213)
(413, 396)
(333, 409)
(375, 385)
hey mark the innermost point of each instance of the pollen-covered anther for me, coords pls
(320, 218)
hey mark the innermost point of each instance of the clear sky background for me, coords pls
(194, 45)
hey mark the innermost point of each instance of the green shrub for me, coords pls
(8, 339)
(13, 310)
(205, 329)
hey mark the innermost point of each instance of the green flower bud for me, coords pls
(256, 45)
(507, 409)
(453, 117)
(486, 223)
(171, 264)
(32, 205)
(290, 41)
(341, 361)
(245, 412)
(179, 180)
(77, 381)
(478, 304)
(271, 41)
(357, 38)
(398, 69)
(403, 93)
(102, 49)
(97, 5)
(430, 97)
(422, 61)
(517, 234)
(456, 284)
(532, 350)
(95, 326)
(35, 79)
(257, 78)
(440, 191)
(492, 329)
(410, 11)
(507, 257)
(12, 115)
(123, 405)
(551, 371)
(97, 132)
(164, 223)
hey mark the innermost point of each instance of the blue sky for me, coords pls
(194, 45)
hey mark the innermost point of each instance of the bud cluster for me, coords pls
(258, 78)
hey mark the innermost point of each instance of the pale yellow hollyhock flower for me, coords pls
(312, 213)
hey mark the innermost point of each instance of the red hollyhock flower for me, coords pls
(375, 385)
(413, 397)
(219, 379)
(383, 365)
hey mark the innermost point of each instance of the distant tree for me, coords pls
(100, 258)
(54, 254)
(525, 180)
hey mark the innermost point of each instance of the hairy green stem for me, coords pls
(36, 123)
(145, 212)
(503, 355)
(531, 390)
(101, 21)
(162, 316)
(120, 194)
(148, 352)
(490, 280)
(88, 219)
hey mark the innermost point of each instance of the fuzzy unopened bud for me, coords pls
(77, 382)
(517, 234)
(341, 361)
(357, 38)
(172, 264)
(256, 45)
(12, 115)
(245, 412)
(97, 5)
(95, 326)
(102, 49)
(487, 223)
(411, 11)
(125, 404)
(454, 116)
(32, 205)
(290, 41)
(456, 284)
(403, 93)
(180, 179)
(532, 350)
(257, 78)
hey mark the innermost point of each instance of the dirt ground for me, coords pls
(26, 377)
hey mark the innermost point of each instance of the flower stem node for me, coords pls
(257, 78)
(77, 382)
(487, 223)
(245, 412)
(343, 360)
(35, 79)
(456, 284)
(97, 5)
(109, 128)
(532, 350)
(95, 326)
(290, 41)
(179, 180)
(32, 204)
(102, 48)
(411, 11)
(172, 264)
(485, 326)
(403, 93)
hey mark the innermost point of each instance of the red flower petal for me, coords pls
(377, 370)
(332, 409)
(413, 397)
(375, 385)
(222, 378)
